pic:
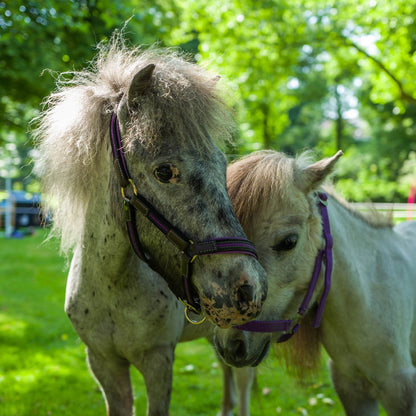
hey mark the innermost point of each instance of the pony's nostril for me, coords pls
(239, 350)
(244, 297)
(235, 353)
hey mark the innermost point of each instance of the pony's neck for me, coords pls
(354, 270)
(104, 245)
(101, 260)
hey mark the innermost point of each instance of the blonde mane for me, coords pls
(372, 217)
(257, 178)
(72, 130)
(263, 176)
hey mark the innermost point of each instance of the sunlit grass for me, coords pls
(42, 362)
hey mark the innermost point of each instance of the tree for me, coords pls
(38, 40)
(337, 80)
(302, 73)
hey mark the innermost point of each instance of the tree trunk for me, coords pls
(339, 125)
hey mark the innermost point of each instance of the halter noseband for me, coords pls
(290, 326)
(188, 250)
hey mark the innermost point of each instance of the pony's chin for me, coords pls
(258, 359)
(263, 355)
(253, 361)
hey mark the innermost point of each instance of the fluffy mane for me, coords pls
(72, 130)
(262, 176)
(256, 178)
(371, 217)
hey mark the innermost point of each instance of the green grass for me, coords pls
(42, 361)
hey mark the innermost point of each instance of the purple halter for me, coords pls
(188, 250)
(290, 326)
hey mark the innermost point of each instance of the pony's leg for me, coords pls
(114, 379)
(156, 367)
(244, 378)
(353, 395)
(398, 395)
(228, 390)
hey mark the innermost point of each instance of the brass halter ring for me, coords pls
(191, 321)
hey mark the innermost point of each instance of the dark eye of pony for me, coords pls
(163, 173)
(288, 243)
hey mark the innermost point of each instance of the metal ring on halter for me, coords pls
(133, 186)
(190, 320)
(189, 308)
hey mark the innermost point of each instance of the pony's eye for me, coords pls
(163, 173)
(166, 173)
(288, 243)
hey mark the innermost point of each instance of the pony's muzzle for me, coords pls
(244, 305)
(235, 352)
(235, 349)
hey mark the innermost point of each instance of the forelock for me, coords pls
(256, 179)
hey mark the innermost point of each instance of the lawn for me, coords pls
(42, 361)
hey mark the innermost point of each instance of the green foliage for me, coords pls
(332, 83)
(304, 74)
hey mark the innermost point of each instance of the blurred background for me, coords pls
(304, 74)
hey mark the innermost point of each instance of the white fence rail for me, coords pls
(400, 211)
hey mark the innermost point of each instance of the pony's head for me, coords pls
(171, 116)
(274, 197)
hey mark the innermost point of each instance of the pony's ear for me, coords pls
(123, 114)
(139, 84)
(313, 175)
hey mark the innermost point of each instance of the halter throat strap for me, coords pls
(290, 326)
(134, 203)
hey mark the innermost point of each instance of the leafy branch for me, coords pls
(403, 94)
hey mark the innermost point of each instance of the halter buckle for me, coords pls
(191, 243)
(295, 323)
(323, 198)
(131, 183)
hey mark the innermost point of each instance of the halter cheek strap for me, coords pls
(188, 250)
(290, 326)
